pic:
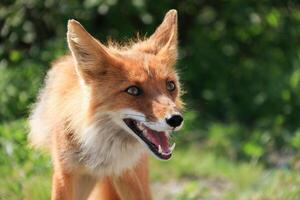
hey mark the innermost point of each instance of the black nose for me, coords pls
(175, 120)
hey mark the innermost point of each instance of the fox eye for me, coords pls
(134, 91)
(171, 86)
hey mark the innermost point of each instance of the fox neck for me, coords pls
(106, 148)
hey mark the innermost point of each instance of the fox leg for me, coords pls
(61, 186)
(131, 185)
(67, 186)
(104, 190)
(134, 183)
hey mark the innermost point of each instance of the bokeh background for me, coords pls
(239, 63)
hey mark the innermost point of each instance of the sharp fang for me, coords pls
(172, 147)
(159, 149)
(140, 126)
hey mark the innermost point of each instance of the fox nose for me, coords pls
(175, 121)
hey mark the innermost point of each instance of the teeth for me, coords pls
(159, 149)
(139, 126)
(172, 147)
(163, 153)
(144, 130)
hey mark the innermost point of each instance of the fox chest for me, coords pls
(108, 153)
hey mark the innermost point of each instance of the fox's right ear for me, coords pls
(90, 55)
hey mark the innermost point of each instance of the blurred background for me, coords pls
(239, 63)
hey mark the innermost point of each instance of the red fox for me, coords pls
(103, 107)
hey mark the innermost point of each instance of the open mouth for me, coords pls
(157, 141)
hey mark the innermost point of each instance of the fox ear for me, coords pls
(90, 55)
(164, 40)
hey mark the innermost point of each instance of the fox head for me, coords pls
(136, 84)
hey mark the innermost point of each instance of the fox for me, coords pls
(104, 108)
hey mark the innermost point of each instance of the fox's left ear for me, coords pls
(164, 40)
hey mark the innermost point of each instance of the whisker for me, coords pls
(149, 122)
(142, 120)
(135, 115)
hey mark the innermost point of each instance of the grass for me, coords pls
(203, 175)
(192, 173)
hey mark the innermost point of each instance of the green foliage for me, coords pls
(22, 171)
(18, 86)
(235, 141)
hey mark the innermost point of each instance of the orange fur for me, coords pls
(133, 184)
(77, 115)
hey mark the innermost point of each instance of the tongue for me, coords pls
(159, 138)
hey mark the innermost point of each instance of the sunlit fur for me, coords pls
(78, 113)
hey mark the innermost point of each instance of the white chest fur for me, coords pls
(107, 149)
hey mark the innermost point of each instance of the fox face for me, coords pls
(136, 84)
